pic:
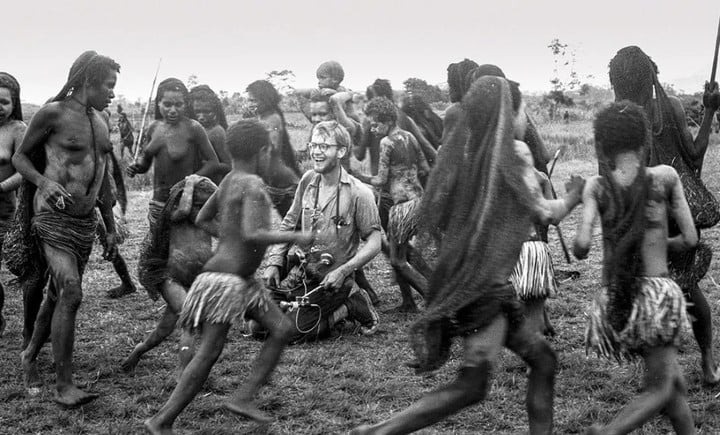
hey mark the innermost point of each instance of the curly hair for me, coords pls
(170, 84)
(331, 68)
(380, 88)
(204, 93)
(10, 83)
(620, 127)
(382, 109)
(90, 68)
(246, 138)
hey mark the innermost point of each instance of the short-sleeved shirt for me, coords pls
(336, 233)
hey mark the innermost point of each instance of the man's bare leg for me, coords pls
(41, 332)
(32, 288)
(406, 276)
(65, 272)
(534, 315)
(481, 350)
(661, 387)
(212, 341)
(280, 329)
(699, 313)
(541, 359)
(127, 286)
(174, 296)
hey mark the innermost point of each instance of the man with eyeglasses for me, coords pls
(340, 211)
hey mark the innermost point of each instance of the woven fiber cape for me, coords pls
(152, 266)
(485, 224)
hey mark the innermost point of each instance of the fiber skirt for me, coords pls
(217, 297)
(403, 221)
(534, 275)
(657, 317)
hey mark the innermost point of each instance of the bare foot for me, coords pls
(710, 376)
(71, 396)
(31, 377)
(132, 360)
(403, 308)
(155, 429)
(247, 409)
(120, 291)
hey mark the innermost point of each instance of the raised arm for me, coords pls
(544, 211)
(680, 211)
(697, 147)
(337, 104)
(583, 237)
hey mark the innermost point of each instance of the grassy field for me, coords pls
(331, 386)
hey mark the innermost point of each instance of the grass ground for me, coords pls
(331, 386)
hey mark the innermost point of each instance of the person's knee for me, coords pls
(70, 290)
(471, 384)
(542, 359)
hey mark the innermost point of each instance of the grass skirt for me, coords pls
(403, 221)
(217, 297)
(657, 317)
(534, 275)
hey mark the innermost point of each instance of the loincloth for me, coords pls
(657, 317)
(149, 268)
(534, 275)
(403, 221)
(217, 297)
(282, 197)
(74, 235)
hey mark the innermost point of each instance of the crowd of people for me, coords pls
(475, 182)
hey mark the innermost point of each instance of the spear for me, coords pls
(715, 58)
(557, 155)
(147, 107)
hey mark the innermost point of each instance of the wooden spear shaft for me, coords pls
(147, 107)
(715, 58)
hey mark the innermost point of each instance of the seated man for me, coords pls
(339, 210)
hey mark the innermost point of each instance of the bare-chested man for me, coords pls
(226, 292)
(178, 146)
(12, 129)
(73, 136)
(402, 163)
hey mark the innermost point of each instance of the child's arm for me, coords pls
(256, 206)
(337, 104)
(425, 145)
(680, 210)
(423, 166)
(583, 237)
(207, 216)
(545, 212)
(360, 149)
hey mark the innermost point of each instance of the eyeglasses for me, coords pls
(322, 147)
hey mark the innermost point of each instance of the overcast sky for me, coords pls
(228, 44)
